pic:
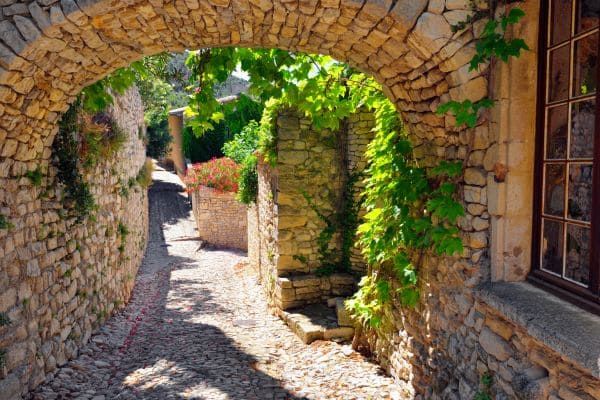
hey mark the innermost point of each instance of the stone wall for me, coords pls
(359, 134)
(317, 164)
(253, 236)
(221, 220)
(60, 278)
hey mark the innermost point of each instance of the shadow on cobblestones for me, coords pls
(198, 327)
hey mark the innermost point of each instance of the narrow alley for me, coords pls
(198, 327)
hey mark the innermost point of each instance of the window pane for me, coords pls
(580, 192)
(577, 267)
(552, 246)
(560, 25)
(558, 74)
(586, 16)
(583, 123)
(554, 190)
(585, 67)
(556, 136)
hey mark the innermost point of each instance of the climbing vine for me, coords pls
(491, 44)
(412, 211)
(409, 210)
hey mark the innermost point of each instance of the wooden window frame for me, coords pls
(588, 298)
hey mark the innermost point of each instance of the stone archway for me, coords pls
(50, 50)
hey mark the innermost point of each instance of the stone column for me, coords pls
(176, 131)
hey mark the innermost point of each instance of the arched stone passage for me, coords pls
(50, 50)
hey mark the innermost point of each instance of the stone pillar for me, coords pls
(176, 131)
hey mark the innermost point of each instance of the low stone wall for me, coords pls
(61, 278)
(296, 291)
(220, 218)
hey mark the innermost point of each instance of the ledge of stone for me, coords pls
(569, 330)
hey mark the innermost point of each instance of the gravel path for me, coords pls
(198, 327)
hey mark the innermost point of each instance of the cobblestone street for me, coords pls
(198, 327)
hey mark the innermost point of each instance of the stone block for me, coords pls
(305, 280)
(501, 328)
(475, 176)
(494, 345)
(342, 279)
(430, 34)
(10, 387)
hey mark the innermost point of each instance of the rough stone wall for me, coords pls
(267, 228)
(316, 163)
(359, 130)
(310, 162)
(221, 220)
(253, 236)
(60, 279)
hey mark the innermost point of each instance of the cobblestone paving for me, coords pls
(198, 327)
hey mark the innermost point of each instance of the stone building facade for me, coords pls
(478, 313)
(60, 278)
(220, 219)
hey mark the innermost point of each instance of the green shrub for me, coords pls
(158, 138)
(248, 181)
(243, 144)
(212, 142)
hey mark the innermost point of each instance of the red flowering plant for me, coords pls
(219, 173)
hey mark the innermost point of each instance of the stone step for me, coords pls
(316, 322)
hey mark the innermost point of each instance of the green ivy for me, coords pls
(485, 391)
(410, 210)
(98, 96)
(491, 44)
(4, 319)
(5, 223)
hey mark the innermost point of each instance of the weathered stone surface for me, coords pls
(68, 257)
(10, 387)
(431, 33)
(221, 220)
(494, 344)
(406, 13)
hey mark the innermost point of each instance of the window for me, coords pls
(566, 245)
